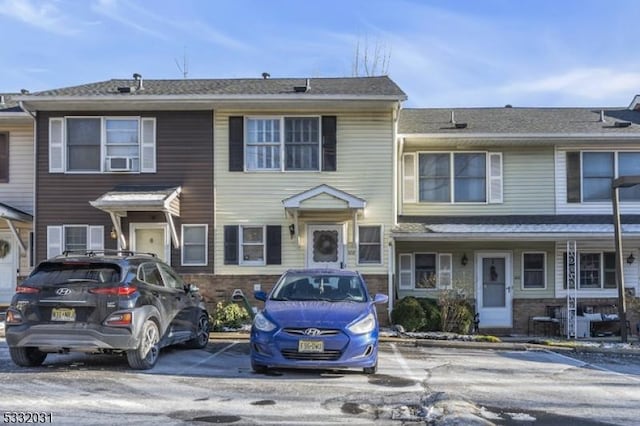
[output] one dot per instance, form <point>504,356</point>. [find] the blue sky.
<point>441,53</point>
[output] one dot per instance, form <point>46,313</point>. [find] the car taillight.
<point>26,290</point>
<point>119,318</point>
<point>13,317</point>
<point>113,291</point>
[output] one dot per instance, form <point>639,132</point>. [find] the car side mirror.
<point>380,298</point>
<point>260,295</point>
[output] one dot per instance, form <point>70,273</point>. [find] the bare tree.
<point>370,61</point>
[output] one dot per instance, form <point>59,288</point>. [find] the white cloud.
<point>111,9</point>
<point>44,15</point>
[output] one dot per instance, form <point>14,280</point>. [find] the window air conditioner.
<point>119,164</point>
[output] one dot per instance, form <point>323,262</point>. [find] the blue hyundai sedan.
<point>317,318</point>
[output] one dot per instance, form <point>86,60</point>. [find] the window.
<point>425,271</point>
<point>194,245</point>
<point>268,140</point>
<point>370,245</point>
<point>4,157</point>
<point>533,270</point>
<point>149,273</point>
<point>594,271</point>
<point>459,177</point>
<point>75,238</point>
<point>170,278</point>
<point>591,174</point>
<point>252,245</point>
<point>102,144</point>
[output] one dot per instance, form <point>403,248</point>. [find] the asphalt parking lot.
<point>413,385</point>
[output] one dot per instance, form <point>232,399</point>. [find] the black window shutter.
<point>329,143</point>
<point>230,245</point>
<point>573,177</point>
<point>274,245</point>
<point>236,144</point>
<point>4,157</point>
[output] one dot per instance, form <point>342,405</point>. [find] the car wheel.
<point>259,368</point>
<point>371,370</point>
<point>27,356</point>
<point>202,333</point>
<point>146,354</point>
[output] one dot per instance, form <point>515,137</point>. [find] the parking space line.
<point>213,355</point>
<point>403,364</point>
<point>597,367</point>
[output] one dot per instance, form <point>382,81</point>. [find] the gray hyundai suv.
<point>104,302</point>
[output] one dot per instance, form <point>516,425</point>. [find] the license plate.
<point>310,346</point>
<point>63,314</point>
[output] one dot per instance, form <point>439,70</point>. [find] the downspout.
<point>394,209</point>
<point>35,175</point>
<point>390,270</point>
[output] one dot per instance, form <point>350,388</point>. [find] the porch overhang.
<point>121,200</point>
<point>324,202</point>
<point>11,215</point>
<point>509,232</point>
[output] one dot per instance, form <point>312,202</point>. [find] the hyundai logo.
<point>63,291</point>
<point>312,332</point>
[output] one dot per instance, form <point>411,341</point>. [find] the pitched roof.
<point>355,86</point>
<point>516,121</point>
<point>8,104</point>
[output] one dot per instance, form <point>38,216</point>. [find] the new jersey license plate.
<point>310,346</point>
<point>63,314</point>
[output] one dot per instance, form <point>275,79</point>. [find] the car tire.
<point>371,370</point>
<point>259,368</point>
<point>202,333</point>
<point>27,356</point>
<point>146,354</point>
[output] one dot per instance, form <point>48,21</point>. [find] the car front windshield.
<point>326,287</point>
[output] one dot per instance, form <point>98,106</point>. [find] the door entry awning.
<point>126,198</point>
<point>11,215</point>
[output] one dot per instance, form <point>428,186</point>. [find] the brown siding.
<point>184,153</point>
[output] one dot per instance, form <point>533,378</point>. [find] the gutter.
<point>492,236</point>
<point>518,137</point>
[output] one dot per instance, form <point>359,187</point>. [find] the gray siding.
<point>184,152</point>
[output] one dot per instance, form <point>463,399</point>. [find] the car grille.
<point>301,332</point>
<point>329,355</point>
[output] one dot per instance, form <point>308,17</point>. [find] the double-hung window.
<point>594,271</point>
<point>282,143</point>
<point>369,245</point>
<point>252,245</point>
<point>74,238</point>
<point>590,175</point>
<point>194,245</point>
<point>533,271</point>
<point>454,177</point>
<point>425,271</point>
<point>83,144</point>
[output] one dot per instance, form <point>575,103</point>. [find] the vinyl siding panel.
<point>18,192</point>
<point>364,158</point>
<point>184,146</point>
<point>528,180</point>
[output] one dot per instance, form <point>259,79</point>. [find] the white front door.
<point>325,247</point>
<point>8,267</point>
<point>151,238</point>
<point>494,287</point>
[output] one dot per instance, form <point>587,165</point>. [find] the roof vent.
<point>24,91</point>
<point>622,124</point>
<point>508,106</point>
<point>266,75</point>
<point>125,89</point>
<point>138,78</point>
<point>452,120</point>
<point>303,89</point>
<point>602,119</point>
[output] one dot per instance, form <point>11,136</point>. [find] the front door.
<point>151,238</point>
<point>325,248</point>
<point>8,267</point>
<point>494,289</point>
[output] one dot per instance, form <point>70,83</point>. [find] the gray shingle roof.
<point>517,120</point>
<point>510,229</point>
<point>359,86</point>
<point>9,105</point>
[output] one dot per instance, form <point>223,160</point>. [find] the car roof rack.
<point>93,253</point>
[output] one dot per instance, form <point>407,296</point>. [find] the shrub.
<point>432,314</point>
<point>456,312</point>
<point>409,314</point>
<point>229,315</point>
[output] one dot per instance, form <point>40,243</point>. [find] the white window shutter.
<point>56,145</point>
<point>405,266</point>
<point>495,178</point>
<point>409,178</point>
<point>54,241</point>
<point>96,238</point>
<point>444,270</point>
<point>148,146</point>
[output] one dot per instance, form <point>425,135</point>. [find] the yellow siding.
<point>18,192</point>
<point>364,169</point>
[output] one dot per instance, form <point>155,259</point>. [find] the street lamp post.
<point>621,182</point>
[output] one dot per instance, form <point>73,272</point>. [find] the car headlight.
<point>365,325</point>
<point>262,323</point>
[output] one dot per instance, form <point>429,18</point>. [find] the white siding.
<point>18,192</point>
<point>528,183</point>
<point>364,159</point>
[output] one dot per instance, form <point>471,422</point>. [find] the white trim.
<point>519,137</point>
<point>54,248</point>
<point>241,261</point>
<point>442,271</point>
<point>410,196</point>
<point>133,227</point>
<point>55,144</point>
<point>152,144</point>
<point>381,228</point>
<point>352,201</point>
<point>544,270</point>
<point>495,197</point>
<point>184,245</point>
